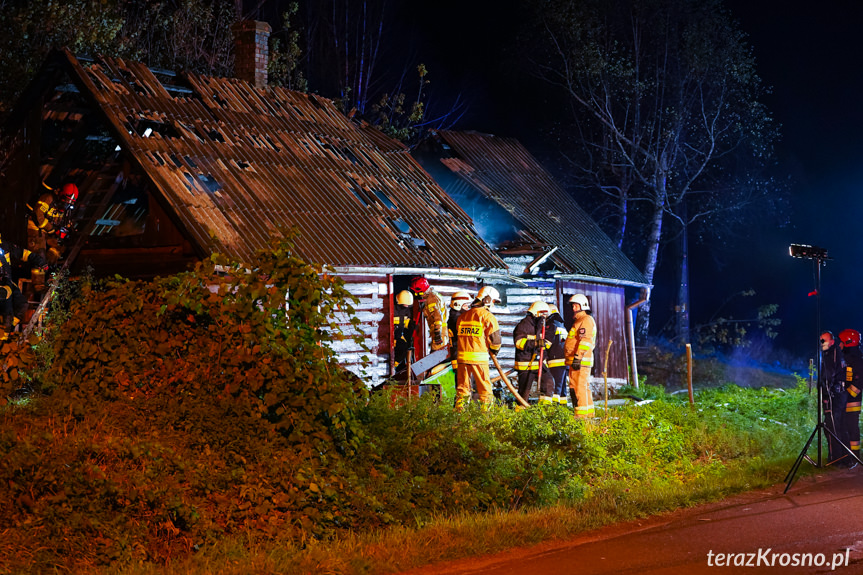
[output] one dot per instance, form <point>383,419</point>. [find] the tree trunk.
<point>682,309</point>
<point>643,323</point>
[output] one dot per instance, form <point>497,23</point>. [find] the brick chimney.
<point>251,51</point>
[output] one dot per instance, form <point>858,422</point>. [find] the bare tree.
<point>667,110</point>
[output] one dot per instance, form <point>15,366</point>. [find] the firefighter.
<point>831,377</point>
<point>50,219</point>
<point>478,338</point>
<point>403,329</point>
<point>578,351</point>
<point>556,333</point>
<point>530,343</point>
<point>13,304</point>
<point>433,309</point>
<point>850,340</point>
<point>458,303</point>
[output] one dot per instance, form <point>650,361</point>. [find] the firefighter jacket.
<point>10,253</point>
<point>581,340</point>
<point>853,371</point>
<point>527,336</point>
<point>832,375</point>
<point>452,332</point>
<point>403,333</point>
<point>434,311</point>
<point>478,335</point>
<point>48,215</point>
<point>556,333</point>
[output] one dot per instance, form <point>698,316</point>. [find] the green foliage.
<point>286,54</point>
<point>725,333</point>
<point>178,413</point>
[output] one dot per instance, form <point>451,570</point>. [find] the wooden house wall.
<point>609,310</point>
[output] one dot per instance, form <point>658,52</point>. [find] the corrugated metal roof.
<point>238,165</point>
<point>502,170</point>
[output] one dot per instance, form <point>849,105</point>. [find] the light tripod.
<point>819,257</point>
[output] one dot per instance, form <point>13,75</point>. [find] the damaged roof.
<point>502,170</point>
<point>238,165</point>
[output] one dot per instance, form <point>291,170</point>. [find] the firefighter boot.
<point>574,400</point>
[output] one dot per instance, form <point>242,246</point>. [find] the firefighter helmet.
<point>538,308</point>
<point>581,300</point>
<point>419,286</point>
<point>69,193</point>
<point>552,309</point>
<point>488,295</point>
<point>849,337</point>
<point>458,299</point>
<point>405,298</point>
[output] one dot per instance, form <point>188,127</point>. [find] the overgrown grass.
<point>421,483</point>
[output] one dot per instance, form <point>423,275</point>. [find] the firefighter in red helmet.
<point>853,355</point>
<point>433,309</point>
<point>831,378</point>
<point>579,356</point>
<point>50,219</point>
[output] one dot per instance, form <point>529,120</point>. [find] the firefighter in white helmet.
<point>458,303</point>
<point>530,348</point>
<point>478,337</point>
<point>578,351</point>
<point>403,329</point>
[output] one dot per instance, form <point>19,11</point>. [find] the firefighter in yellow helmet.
<point>403,329</point>
<point>458,303</point>
<point>433,309</point>
<point>478,337</point>
<point>50,219</point>
<point>578,351</point>
<point>531,344</point>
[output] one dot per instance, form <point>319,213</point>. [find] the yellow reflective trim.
<point>852,409</point>
<point>556,362</point>
<point>472,356</point>
<point>8,291</point>
<point>526,366</point>
<point>520,343</point>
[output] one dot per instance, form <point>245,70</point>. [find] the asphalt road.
<point>818,522</point>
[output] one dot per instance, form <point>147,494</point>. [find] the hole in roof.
<point>176,161</point>
<point>351,156</point>
<point>358,196</point>
<point>273,144</point>
<point>216,136</point>
<point>144,127</point>
<point>401,225</point>
<point>384,198</point>
<point>210,183</point>
<point>190,161</point>
<point>242,165</point>
<point>157,158</point>
<point>219,100</point>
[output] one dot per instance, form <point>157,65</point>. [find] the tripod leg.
<point>793,471</point>
<point>845,447</point>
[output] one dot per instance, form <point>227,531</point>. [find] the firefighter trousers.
<point>852,423</point>
<point>465,372</point>
<point>834,420</point>
<point>579,383</point>
<point>559,375</point>
<point>526,379</point>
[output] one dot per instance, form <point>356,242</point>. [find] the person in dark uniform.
<point>850,340</point>
<point>403,329</point>
<point>13,304</point>
<point>529,344</point>
<point>555,332</point>
<point>831,377</point>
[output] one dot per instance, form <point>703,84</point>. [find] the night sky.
<point>811,60</point>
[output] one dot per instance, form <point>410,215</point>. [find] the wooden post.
<point>689,371</point>
<point>605,377</point>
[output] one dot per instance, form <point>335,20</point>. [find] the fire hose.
<point>512,390</point>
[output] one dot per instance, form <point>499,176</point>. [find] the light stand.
<point>819,257</point>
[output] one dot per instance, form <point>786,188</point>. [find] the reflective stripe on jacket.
<point>478,333</point>
<point>581,339</point>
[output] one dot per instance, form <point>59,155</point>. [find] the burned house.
<point>549,242</point>
<point>174,167</point>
